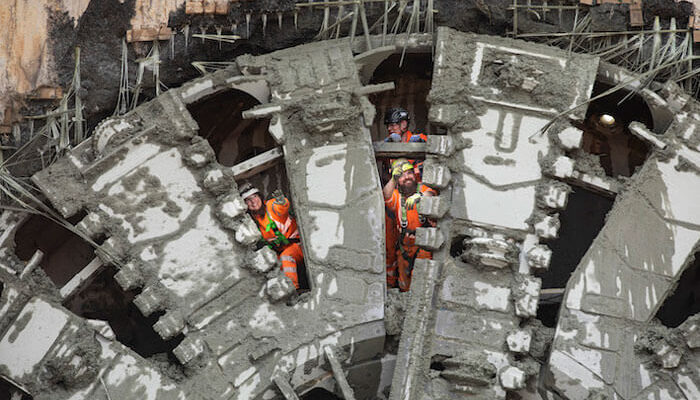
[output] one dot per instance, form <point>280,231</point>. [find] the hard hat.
<point>395,115</point>
<point>247,190</point>
<point>403,163</point>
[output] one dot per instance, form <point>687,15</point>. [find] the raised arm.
<point>388,189</point>
<point>281,204</point>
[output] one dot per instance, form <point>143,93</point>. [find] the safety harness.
<point>403,212</point>
<point>280,240</point>
<point>403,222</point>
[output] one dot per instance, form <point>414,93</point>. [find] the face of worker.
<point>254,203</point>
<point>407,182</point>
<point>398,128</point>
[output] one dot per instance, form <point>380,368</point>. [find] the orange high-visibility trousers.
<point>291,257</point>
<point>392,236</point>
<point>405,266</point>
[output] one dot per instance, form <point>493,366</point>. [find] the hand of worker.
<point>279,197</point>
<point>394,137</point>
<point>396,170</point>
<point>413,200</point>
<point>416,139</point>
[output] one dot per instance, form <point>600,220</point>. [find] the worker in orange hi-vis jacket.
<point>396,121</point>
<point>278,228</point>
<point>402,194</point>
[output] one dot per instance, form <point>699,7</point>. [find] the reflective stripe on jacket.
<point>412,220</point>
<point>277,219</point>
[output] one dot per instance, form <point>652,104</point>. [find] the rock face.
<point>30,45</point>
<point>41,35</point>
<point>27,63</point>
<point>171,221</point>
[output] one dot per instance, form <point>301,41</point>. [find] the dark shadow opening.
<point>9,391</point>
<point>548,310</point>
<point>457,246</point>
<point>104,299</point>
<point>581,222</point>
<point>436,362</point>
<point>235,140</point>
<point>319,394</point>
<point>619,151</point>
<point>413,81</point>
<point>685,300</point>
<point>65,253</point>
<point>232,138</point>
<point>303,274</point>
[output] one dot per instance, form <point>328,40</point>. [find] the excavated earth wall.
<point>38,55</point>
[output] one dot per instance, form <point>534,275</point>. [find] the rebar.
<point>205,67</point>
<point>264,23</point>
<point>218,37</point>
<point>156,65</point>
<point>324,23</point>
<point>79,135</point>
<point>385,21</point>
<point>653,52</point>
<point>338,19</point>
<point>365,26</point>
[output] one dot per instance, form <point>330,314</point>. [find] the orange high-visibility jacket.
<point>277,219</point>
<point>405,138</point>
<point>407,219</point>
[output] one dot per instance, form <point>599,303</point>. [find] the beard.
<point>408,188</point>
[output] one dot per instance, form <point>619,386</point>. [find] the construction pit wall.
<point>27,61</point>
<point>177,230</point>
<point>30,66</point>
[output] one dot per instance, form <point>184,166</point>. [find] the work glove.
<point>413,200</point>
<point>394,137</point>
<point>279,197</point>
<point>416,139</point>
<point>396,171</point>
<point>399,166</point>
